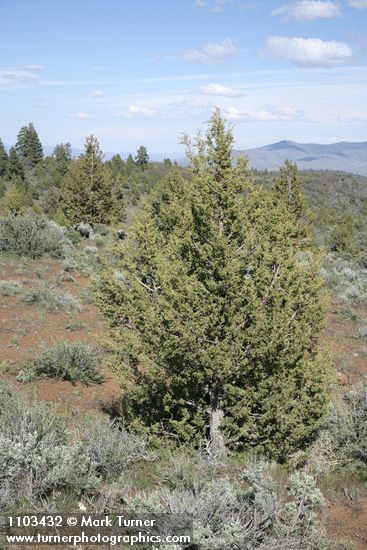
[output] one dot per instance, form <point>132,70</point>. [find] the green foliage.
<point>2,188</point>
<point>142,157</point>
<point>72,361</point>
<point>15,167</point>
<point>87,188</point>
<point>216,314</point>
<point>18,198</point>
<point>3,160</point>
<point>343,230</point>
<point>29,146</point>
<point>130,164</point>
<point>33,236</point>
<point>62,155</point>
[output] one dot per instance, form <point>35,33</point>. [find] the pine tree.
<point>215,315</point>
<point>3,160</point>
<point>142,157</point>
<point>87,189</point>
<point>29,146</point>
<point>15,167</point>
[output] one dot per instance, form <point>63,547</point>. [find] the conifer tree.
<point>87,189</point>
<point>3,160</point>
<point>142,157</point>
<point>130,164</point>
<point>62,155</point>
<point>214,315</point>
<point>29,146</point>
<point>15,167</point>
<point>289,188</point>
<point>19,198</point>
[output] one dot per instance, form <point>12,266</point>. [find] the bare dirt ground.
<point>24,327</point>
<point>346,519</point>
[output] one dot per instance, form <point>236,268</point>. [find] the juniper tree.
<point>215,315</point>
<point>28,146</point>
<point>87,188</point>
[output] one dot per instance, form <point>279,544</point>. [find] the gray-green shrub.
<point>72,361</point>
<point>348,429</point>
<point>35,455</point>
<point>110,447</point>
<point>346,276</point>
<point>250,511</point>
<point>52,297</point>
<point>33,236</point>
<point>10,288</point>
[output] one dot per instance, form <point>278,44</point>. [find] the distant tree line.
<point>70,190</point>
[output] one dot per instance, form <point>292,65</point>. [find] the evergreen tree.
<point>87,189</point>
<point>29,146</point>
<point>142,157</point>
<point>19,196</point>
<point>15,167</point>
<point>116,165</point>
<point>3,160</point>
<point>289,187</point>
<point>215,315</point>
<point>62,155</point>
<point>130,164</point>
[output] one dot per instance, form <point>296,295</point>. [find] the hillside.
<point>343,156</point>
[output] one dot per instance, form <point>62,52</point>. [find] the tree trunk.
<point>216,443</point>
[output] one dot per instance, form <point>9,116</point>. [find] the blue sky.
<point>143,71</point>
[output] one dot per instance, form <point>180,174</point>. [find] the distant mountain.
<point>343,156</point>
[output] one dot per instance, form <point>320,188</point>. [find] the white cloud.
<point>19,77</point>
<point>211,54</point>
<point>33,67</point>
<point>358,4</point>
<point>187,108</point>
<point>97,94</point>
<point>309,10</point>
<point>220,90</point>
<point>138,111</point>
<point>82,115</point>
<point>269,114</point>
<point>169,111</point>
<point>309,52</point>
<point>213,6</point>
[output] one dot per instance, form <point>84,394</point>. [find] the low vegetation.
<point>33,236</point>
<point>51,297</point>
<point>74,362</point>
<point>10,288</point>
